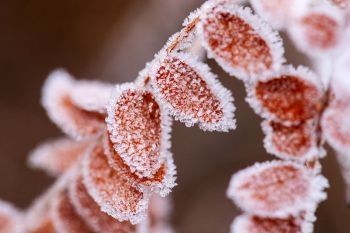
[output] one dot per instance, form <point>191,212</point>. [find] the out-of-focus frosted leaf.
<point>159,214</point>
<point>277,189</point>
<point>139,129</point>
<point>10,218</point>
<point>115,195</point>
<point>343,4</point>
<point>90,211</point>
<point>255,224</point>
<point>56,156</point>
<point>242,43</point>
<point>58,102</point>
<point>278,12</point>
<point>192,94</point>
<point>318,29</point>
<point>290,96</point>
<point>295,142</point>
<point>65,218</point>
<point>162,181</point>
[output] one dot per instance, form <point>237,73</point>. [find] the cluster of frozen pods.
<point>114,166</point>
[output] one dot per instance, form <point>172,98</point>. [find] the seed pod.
<point>192,94</point>
<point>115,195</point>
<point>56,156</point>
<point>242,44</point>
<point>290,96</point>
<point>90,211</point>
<point>65,218</point>
<point>277,189</point>
<point>139,129</point>
<point>162,181</point>
<point>71,118</point>
<point>295,142</point>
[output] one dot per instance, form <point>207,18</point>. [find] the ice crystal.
<point>114,194</point>
<point>58,102</point>
<point>88,210</point>
<point>277,189</point>
<point>239,41</point>
<point>66,219</point>
<point>291,96</point>
<point>192,93</point>
<point>56,156</point>
<point>295,142</point>
<point>162,181</point>
<point>139,129</point>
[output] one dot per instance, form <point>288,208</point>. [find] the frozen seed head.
<point>243,44</point>
<point>58,102</point>
<point>139,129</point>
<point>295,142</point>
<point>192,93</point>
<point>290,95</point>
<point>278,13</point>
<point>162,181</point>
<point>317,31</point>
<point>10,218</point>
<point>65,218</point>
<point>114,194</point>
<point>255,224</point>
<point>90,211</point>
<point>56,156</point>
<point>277,189</point>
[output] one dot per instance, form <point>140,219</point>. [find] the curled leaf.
<point>65,218</point>
<point>242,44</point>
<point>277,189</point>
<point>295,142</point>
<point>255,224</point>
<point>56,156</point>
<point>63,111</point>
<point>111,191</point>
<point>192,93</point>
<point>291,96</point>
<point>139,129</point>
<point>88,210</point>
<point>162,181</point>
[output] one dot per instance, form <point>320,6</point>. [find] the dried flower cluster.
<point>115,166</point>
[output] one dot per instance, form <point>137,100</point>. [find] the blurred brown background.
<point>112,40</point>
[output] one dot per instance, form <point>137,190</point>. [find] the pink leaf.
<point>277,189</point>
<point>115,195</point>
<point>90,211</point>
<point>243,44</point>
<point>192,93</point>
<point>139,129</point>
<point>290,96</point>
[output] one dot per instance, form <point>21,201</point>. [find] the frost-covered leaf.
<point>56,156</point>
<point>290,95</point>
<point>115,195</point>
<point>278,12</point>
<point>243,44</point>
<point>318,30</point>
<point>343,4</point>
<point>90,211</point>
<point>255,224</point>
<point>139,129</point>
<point>277,189</point>
<point>65,218</point>
<point>58,102</point>
<point>192,93</point>
<point>162,181</point>
<point>295,142</point>
<point>159,214</point>
<point>10,218</point>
